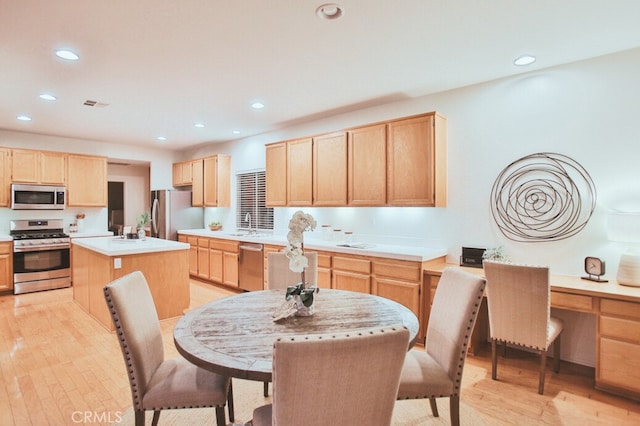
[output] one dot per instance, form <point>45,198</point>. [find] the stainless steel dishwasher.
<point>250,267</point>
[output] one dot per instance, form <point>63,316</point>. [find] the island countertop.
<point>116,246</point>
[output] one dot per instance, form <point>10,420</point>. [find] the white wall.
<point>136,192</point>
<point>586,110</point>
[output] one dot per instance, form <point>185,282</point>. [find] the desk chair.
<point>279,276</point>
<point>158,383</point>
<point>518,300</point>
<point>437,372</point>
<point>336,379</point>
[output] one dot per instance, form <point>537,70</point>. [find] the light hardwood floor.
<point>57,363</point>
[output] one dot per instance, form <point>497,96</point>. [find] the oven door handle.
<point>40,248</point>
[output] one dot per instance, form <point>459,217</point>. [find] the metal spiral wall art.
<point>542,197</point>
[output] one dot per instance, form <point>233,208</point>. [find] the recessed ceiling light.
<point>236,132</point>
<point>67,54</point>
<point>47,97</point>
<point>198,125</point>
<point>257,105</point>
<point>23,117</point>
<point>329,11</point>
<point>524,60</point>
<point>161,138</point>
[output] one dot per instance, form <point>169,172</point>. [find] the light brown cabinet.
<point>5,177</point>
<point>300,172</point>
<point>330,170</point>
<point>276,174</point>
<point>213,259</point>
<point>182,174</point>
<point>217,181</point>
<point>197,186</point>
<point>40,167</point>
<point>86,181</point>
<point>351,273</point>
<point>203,258</point>
<point>396,163</point>
<point>209,178</point>
<point>416,161</point>
<point>367,155</point>
<point>618,344</point>
<point>6,266</point>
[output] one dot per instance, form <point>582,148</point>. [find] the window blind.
<point>251,198</point>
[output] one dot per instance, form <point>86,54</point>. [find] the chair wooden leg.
<point>156,417</point>
<point>139,417</point>
<point>454,409</point>
<point>556,355</point>
<point>220,418</point>
<point>266,389</point>
<point>230,402</point>
<point>494,359</point>
<point>434,407</point>
<point>543,369</point>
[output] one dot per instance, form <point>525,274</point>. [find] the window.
<point>251,197</point>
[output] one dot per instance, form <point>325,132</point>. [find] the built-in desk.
<point>617,310</point>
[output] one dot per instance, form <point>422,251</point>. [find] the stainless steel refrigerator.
<point>171,211</point>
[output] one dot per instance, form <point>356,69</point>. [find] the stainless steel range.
<point>40,255</point>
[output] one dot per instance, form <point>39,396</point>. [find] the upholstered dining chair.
<point>519,303</point>
<point>158,383</point>
<point>346,379</point>
<point>279,276</point>
<point>437,371</point>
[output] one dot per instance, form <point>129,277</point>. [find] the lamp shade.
<point>624,227</point>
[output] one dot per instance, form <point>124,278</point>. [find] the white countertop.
<point>116,246</point>
<point>89,234</point>
<point>419,254</point>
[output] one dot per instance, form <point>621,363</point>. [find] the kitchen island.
<point>96,262</point>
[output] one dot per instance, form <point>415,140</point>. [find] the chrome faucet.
<point>247,218</point>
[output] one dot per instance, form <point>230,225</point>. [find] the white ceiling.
<point>162,65</point>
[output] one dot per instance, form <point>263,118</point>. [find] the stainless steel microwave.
<point>37,197</point>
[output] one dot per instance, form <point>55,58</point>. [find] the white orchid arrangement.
<point>299,223</point>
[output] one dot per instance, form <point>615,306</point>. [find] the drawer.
<point>619,365</point>
<point>5,248</point>
<point>621,328</point>
<point>407,271</point>
<point>362,266</point>
<point>224,245</point>
<point>203,242</point>
<point>193,241</point>
<point>576,302</point>
<point>324,261</point>
<point>620,308</point>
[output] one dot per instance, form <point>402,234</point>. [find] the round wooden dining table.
<point>234,336</point>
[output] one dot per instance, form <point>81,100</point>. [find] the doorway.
<point>115,207</point>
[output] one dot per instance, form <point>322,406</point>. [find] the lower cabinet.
<point>618,345</point>
<point>213,259</point>
<point>351,273</point>
<point>6,266</point>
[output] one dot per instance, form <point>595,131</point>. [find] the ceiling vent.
<point>96,104</point>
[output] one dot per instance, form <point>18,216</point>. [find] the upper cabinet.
<point>217,181</point>
<point>209,178</point>
<point>395,163</point>
<point>5,177</point>
<point>299,172</point>
<point>41,167</point>
<point>416,160</point>
<point>330,170</point>
<point>367,157</point>
<point>182,174</point>
<point>276,174</point>
<point>86,181</point>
